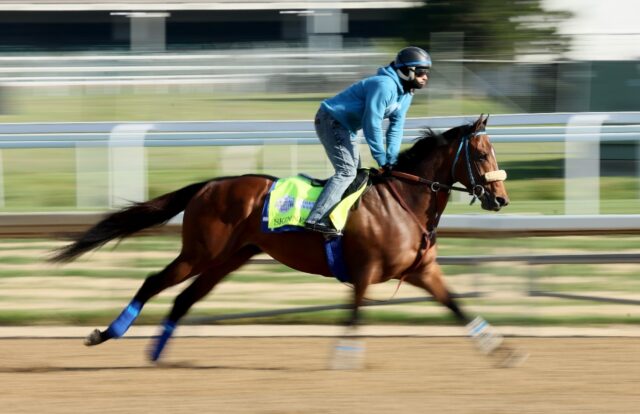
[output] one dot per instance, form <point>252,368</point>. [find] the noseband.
<point>476,190</point>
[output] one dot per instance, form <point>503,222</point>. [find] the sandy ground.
<point>289,375</point>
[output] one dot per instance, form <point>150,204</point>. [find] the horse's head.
<point>476,167</point>
<point>462,154</point>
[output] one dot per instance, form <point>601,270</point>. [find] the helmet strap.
<point>404,77</point>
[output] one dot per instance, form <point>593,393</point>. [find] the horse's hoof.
<point>348,354</point>
<point>154,357</point>
<point>509,357</point>
<point>94,338</point>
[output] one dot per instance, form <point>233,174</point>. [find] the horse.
<point>390,233</point>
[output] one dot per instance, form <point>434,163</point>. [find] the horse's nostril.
<point>502,201</point>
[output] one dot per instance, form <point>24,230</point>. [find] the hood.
<point>391,72</point>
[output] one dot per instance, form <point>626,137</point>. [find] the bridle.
<point>476,190</point>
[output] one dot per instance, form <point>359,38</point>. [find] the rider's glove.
<point>386,170</point>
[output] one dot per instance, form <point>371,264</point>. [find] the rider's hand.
<point>386,170</point>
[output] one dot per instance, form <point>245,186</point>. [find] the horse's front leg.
<point>430,279</point>
<point>349,350</point>
<point>485,337</point>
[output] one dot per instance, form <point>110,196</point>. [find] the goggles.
<point>421,71</point>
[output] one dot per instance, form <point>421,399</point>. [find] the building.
<point>151,25</point>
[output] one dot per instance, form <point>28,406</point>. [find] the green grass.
<point>145,105</point>
<point>151,244</point>
<point>9,273</point>
<point>291,277</point>
<point>129,273</point>
<point>18,260</point>
<point>45,180</point>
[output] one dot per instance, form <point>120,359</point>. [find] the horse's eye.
<point>481,156</point>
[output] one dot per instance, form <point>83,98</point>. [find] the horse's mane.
<point>425,144</point>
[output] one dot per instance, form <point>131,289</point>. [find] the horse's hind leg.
<point>177,271</point>
<point>486,338</point>
<point>198,289</point>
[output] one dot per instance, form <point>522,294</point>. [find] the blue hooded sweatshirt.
<point>366,103</point>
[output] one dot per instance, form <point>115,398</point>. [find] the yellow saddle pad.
<point>291,199</point>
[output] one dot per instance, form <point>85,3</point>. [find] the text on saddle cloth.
<point>291,199</point>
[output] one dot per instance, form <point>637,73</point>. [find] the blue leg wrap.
<point>122,323</point>
<point>161,341</point>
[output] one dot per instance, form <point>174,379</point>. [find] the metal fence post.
<point>127,164</point>
<point>1,182</point>
<point>92,175</point>
<point>582,164</point>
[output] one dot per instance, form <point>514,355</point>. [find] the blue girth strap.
<point>335,258</point>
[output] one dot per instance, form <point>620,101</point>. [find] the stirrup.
<point>325,229</point>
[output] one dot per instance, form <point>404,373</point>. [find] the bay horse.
<point>389,235</point>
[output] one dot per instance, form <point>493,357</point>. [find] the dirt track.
<point>289,375</point>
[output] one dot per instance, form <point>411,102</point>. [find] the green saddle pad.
<point>291,200</point>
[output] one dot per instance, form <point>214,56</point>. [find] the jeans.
<point>342,149</point>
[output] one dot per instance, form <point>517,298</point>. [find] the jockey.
<point>364,105</point>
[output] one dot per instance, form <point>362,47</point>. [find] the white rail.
<point>616,126</point>
<point>581,133</point>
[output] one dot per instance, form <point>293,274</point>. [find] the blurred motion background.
<point>103,103</point>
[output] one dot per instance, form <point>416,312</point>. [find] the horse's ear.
<point>479,123</point>
<point>485,120</point>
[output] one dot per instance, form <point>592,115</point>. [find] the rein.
<point>433,185</point>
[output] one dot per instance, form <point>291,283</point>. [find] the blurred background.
<point>111,102</point>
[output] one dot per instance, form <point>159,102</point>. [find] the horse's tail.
<point>128,221</point>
